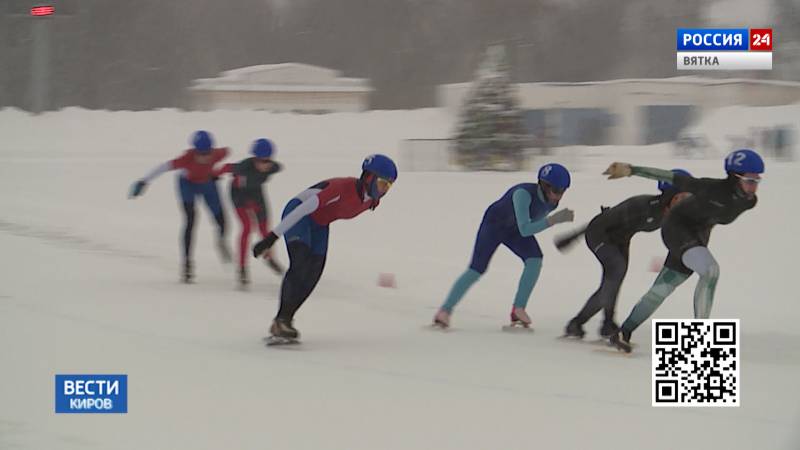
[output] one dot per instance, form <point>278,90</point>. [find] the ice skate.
<point>244,278</point>
<point>441,320</point>
<point>187,275</point>
<point>520,321</point>
<point>283,328</point>
<point>608,329</point>
<point>282,332</point>
<point>574,330</point>
<point>621,340</point>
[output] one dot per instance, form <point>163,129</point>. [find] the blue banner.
<point>712,39</point>
<point>95,394</point>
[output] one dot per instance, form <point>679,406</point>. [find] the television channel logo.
<point>92,394</point>
<point>724,48</point>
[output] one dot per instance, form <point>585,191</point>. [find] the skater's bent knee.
<point>713,270</point>
<point>662,290</point>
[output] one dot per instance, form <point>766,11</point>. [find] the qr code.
<point>696,362</point>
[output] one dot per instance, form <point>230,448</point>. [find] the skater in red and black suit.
<point>247,194</point>
<point>305,223</point>
<point>197,177</point>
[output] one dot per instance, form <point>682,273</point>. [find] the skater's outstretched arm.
<point>620,170</point>
<point>526,225</point>
<point>139,186</point>
<point>222,170</point>
<point>608,217</point>
<point>161,168</point>
<point>184,161</point>
<point>683,183</point>
<point>564,242</point>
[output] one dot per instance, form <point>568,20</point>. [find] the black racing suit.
<point>713,201</point>
<point>246,186</point>
<point>608,236</point>
<point>247,195</point>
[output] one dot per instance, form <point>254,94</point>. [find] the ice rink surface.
<point>90,285</point>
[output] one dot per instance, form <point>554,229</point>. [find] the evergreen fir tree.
<point>491,133</point>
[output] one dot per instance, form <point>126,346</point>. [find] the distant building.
<point>631,111</point>
<point>288,87</point>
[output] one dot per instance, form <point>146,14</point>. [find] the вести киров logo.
<point>91,394</point>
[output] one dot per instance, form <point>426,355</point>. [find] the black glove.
<point>137,189</point>
<point>564,242</point>
<point>264,244</point>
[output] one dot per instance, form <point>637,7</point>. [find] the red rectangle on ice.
<point>761,39</point>
<point>39,11</point>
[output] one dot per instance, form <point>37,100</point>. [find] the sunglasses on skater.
<point>748,180</point>
<point>383,184</point>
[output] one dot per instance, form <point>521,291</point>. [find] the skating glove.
<point>565,241</point>
<point>264,244</point>
<point>564,215</point>
<point>137,189</point>
<point>618,170</point>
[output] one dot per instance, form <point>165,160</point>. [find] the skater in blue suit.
<point>513,220</point>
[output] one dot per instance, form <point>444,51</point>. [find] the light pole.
<point>39,84</point>
<point>40,59</point>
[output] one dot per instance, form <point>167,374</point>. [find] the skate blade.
<point>437,327</point>
<point>584,341</point>
<point>277,340</point>
<point>570,338</point>
<point>612,350</point>
<point>513,328</point>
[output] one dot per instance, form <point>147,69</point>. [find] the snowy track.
<point>89,285</point>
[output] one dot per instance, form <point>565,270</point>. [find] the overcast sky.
<point>742,13</point>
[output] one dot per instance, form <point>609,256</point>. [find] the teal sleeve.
<point>652,173</point>
<point>522,204</point>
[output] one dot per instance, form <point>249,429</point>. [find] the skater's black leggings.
<point>188,230</point>
<point>305,270</point>
<point>614,259</point>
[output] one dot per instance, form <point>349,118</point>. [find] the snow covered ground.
<point>89,285</point>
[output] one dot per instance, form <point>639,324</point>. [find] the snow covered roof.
<point>285,77</point>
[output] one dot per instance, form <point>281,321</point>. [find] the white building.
<point>288,87</point>
<point>631,111</point>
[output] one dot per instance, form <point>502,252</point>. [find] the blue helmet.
<point>383,168</point>
<point>663,185</point>
<point>380,165</point>
<point>262,148</point>
<point>744,161</point>
<point>555,175</point>
<point>202,141</point>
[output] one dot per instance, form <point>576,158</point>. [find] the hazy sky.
<point>742,13</point>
